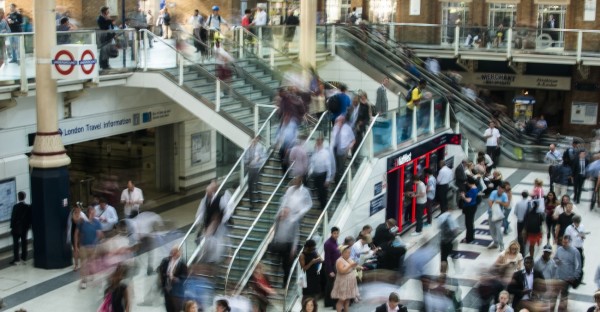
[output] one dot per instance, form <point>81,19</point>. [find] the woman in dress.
<point>345,287</point>
<point>309,261</point>
<point>551,203</point>
<point>511,260</point>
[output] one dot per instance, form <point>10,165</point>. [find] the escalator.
<point>389,57</point>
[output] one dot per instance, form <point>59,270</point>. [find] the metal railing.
<point>245,275</point>
<point>290,297</point>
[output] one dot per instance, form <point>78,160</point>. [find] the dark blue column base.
<point>50,206</point>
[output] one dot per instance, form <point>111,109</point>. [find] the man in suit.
<point>392,304</point>
<point>381,102</point>
<point>525,283</point>
<point>172,273</point>
<point>20,222</point>
<point>579,166</point>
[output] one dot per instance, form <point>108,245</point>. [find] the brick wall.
<point>25,5</point>
<point>580,96</point>
<point>429,13</point>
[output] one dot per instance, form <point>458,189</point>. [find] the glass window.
<point>502,14</point>
<point>453,14</point>
<point>549,17</point>
<point>382,11</point>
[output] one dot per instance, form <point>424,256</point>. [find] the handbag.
<point>106,305</point>
<point>301,278</point>
<point>497,213</point>
<point>113,52</point>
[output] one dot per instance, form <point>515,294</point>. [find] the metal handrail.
<point>237,250</point>
<point>231,171</point>
<point>330,201</point>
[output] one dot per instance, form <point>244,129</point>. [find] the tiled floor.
<point>46,290</point>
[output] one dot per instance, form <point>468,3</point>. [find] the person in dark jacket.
<point>105,23</point>
<point>172,273</point>
<point>20,222</point>
<point>393,304</point>
<point>291,21</point>
<point>525,282</point>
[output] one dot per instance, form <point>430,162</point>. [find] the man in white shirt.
<point>421,198</point>
<point>554,158</point>
<point>196,21</point>
<point>343,140</point>
<point>492,143</point>
<point>260,19</point>
<point>132,197</point>
<point>214,209</point>
<point>445,176</point>
<point>107,215</point>
<point>431,187</point>
<point>322,170</point>
<point>578,234</point>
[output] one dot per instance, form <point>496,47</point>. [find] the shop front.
<point>403,166</point>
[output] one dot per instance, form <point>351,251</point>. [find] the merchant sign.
<point>517,81</point>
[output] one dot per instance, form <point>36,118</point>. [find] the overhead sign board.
<point>74,61</point>
<point>505,80</point>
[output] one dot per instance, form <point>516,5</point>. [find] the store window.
<point>453,14</point>
<point>552,17</point>
<point>502,14</point>
<point>382,11</point>
<point>338,10</point>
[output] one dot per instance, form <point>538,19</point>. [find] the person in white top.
<point>197,21</point>
<point>554,158</point>
<point>360,250</point>
<point>260,19</point>
<point>342,138</point>
<point>132,197</point>
<point>492,143</point>
<point>107,215</point>
<point>322,168</point>
<point>421,198</point>
<point>445,176</point>
<point>577,233</point>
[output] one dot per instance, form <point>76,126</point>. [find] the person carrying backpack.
<point>413,100</point>
<point>338,104</point>
<point>533,225</point>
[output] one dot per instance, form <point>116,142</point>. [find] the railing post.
<point>145,34</point>
<point>256,111</point>
<point>218,96</point>
<point>579,46</point>
<point>180,60</point>
<point>241,40</point>
<point>260,43</point>
<point>447,116</point>
<point>413,128</point>
<point>509,43</point>
<point>392,32</point>
<point>272,59</point>
<point>94,41</point>
<point>136,48</point>
<point>456,40</point>
<point>432,117</point>
<point>466,148</point>
<point>349,183</point>
<point>370,145</point>
<point>457,127</point>
<point>241,173</point>
<point>22,64</point>
<point>333,40</point>
<point>394,137</point>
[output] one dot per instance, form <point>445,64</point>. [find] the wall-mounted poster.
<point>415,7</point>
<point>8,198</point>
<point>589,10</point>
<point>200,148</point>
<point>584,113</point>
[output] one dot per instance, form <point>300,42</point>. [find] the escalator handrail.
<point>264,208</point>
<point>330,201</point>
<point>231,171</point>
<point>459,102</point>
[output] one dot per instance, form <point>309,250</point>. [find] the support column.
<point>49,160</point>
<point>308,33</point>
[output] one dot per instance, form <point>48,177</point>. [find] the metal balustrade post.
<point>145,34</point>
<point>392,32</point>
<point>349,183</point>
<point>457,127</point>
<point>218,96</point>
<point>447,116</point>
<point>180,60</point>
<point>333,40</point>
<point>394,137</point>
<point>456,40</point>
<point>94,42</point>
<point>414,127</point>
<point>579,46</point>
<point>268,138</point>
<point>241,173</point>
<point>466,148</point>
<point>370,145</point>
<point>432,117</point>
<point>260,43</point>
<point>256,112</point>
<point>241,41</point>
<point>22,64</point>
<point>509,43</point>
<point>136,48</point>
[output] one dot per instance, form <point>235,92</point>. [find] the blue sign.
<point>377,204</point>
<point>378,188</point>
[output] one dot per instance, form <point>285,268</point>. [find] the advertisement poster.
<point>589,10</point>
<point>584,113</point>
<point>415,7</point>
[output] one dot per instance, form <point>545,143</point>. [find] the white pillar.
<point>308,30</point>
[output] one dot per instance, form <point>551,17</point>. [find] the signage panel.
<point>74,61</point>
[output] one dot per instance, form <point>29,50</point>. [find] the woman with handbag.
<point>497,202</point>
<point>309,262</point>
<point>345,287</point>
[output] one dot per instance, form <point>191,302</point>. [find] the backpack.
<point>408,96</point>
<point>533,220</point>
<point>334,104</point>
<point>353,19</point>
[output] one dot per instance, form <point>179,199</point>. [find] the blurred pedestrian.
<point>469,209</point>
<point>322,168</point>
<point>254,159</point>
<point>291,21</point>
<point>545,264</point>
<point>298,159</point>
<point>444,177</point>
<point>132,197</point>
<point>262,288</point>
<point>285,240</point>
<point>172,274</point>
<point>343,140</point>
<point>568,263</point>
<point>563,177</point>
<point>393,304</point>
<point>596,306</point>
<point>381,102</point>
<point>87,235</point>
<point>286,136</point>
<point>579,175</point>
<point>502,305</point>
<point>190,306</point>
<point>345,287</point>
<point>223,306</point>
<point>533,226</point>
<point>310,262</point>
<point>511,259</point>
<point>520,212</point>
<point>76,217</point>
<point>20,223</point>
<point>309,305</point>
<point>117,295</point>
<point>523,284</point>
